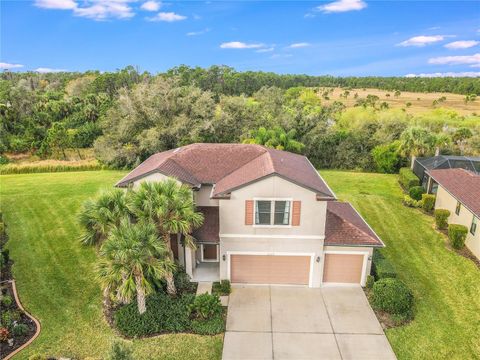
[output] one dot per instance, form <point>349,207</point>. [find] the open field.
<point>56,281</point>
<point>420,102</point>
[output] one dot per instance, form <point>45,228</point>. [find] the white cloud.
<point>151,6</point>
<point>240,45</point>
<point>44,70</point>
<point>446,74</point>
<point>472,60</point>
<point>299,45</point>
<point>264,50</point>
<point>10,66</point>
<point>464,44</point>
<point>167,16</point>
<point>196,33</point>
<point>56,4</point>
<point>422,40</point>
<point>342,6</point>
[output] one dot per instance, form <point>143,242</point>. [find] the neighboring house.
<point>458,191</point>
<point>422,166</point>
<point>269,217</point>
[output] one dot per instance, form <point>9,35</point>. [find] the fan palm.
<point>170,206</point>
<point>131,259</point>
<point>99,215</point>
<point>416,141</point>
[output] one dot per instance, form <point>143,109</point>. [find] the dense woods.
<point>126,115</point>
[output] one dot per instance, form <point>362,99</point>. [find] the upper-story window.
<point>457,209</point>
<point>473,227</point>
<point>272,212</point>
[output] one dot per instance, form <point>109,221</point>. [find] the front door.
<point>209,252</point>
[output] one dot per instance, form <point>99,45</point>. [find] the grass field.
<point>56,283</point>
<point>420,102</point>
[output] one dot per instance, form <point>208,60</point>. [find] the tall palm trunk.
<point>142,306</point>
<point>171,288</point>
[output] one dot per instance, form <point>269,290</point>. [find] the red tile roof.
<point>209,231</point>
<point>345,226</point>
<point>461,184</point>
<point>230,166</point>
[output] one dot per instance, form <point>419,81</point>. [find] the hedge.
<point>408,201</point>
<point>457,234</point>
<point>393,297</point>
<point>407,178</point>
<point>382,268</point>
<point>416,192</point>
<point>428,202</point>
<point>441,218</point>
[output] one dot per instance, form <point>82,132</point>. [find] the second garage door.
<point>343,268</point>
<point>270,269</point>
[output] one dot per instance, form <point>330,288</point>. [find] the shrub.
<point>441,218</point>
<point>4,334</point>
<point>407,178</point>
<point>182,281</point>
<point>212,326</point>
<point>164,314</point>
<point>222,288</point>
<point>457,235</point>
<point>386,158</point>
<point>206,306</point>
<point>408,201</point>
<point>392,296</point>
<point>120,351</point>
<point>416,192</point>
<point>7,300</point>
<point>20,330</point>
<point>382,268</point>
<point>428,202</point>
<point>370,281</point>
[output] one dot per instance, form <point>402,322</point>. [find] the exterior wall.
<point>368,250</point>
<point>202,196</point>
<point>272,246</point>
<point>312,216</point>
<point>446,201</point>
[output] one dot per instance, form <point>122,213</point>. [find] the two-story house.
<point>270,218</point>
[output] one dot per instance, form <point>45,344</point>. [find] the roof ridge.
<point>248,162</point>
<point>180,166</point>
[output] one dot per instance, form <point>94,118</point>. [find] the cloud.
<point>196,33</point>
<point>280,56</point>
<point>446,74</point>
<point>151,6</point>
<point>472,60</point>
<point>43,70</point>
<point>240,45</point>
<point>56,4</point>
<point>342,6</point>
<point>422,40</point>
<point>264,50</point>
<point>299,45</point>
<point>464,44</point>
<point>92,9</point>
<point>10,66</point>
<point>167,17</point>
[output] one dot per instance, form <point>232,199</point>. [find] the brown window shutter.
<point>297,205</point>
<point>248,212</point>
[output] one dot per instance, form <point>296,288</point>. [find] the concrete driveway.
<point>277,322</point>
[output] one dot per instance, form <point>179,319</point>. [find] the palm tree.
<point>99,215</point>
<point>131,259</point>
<point>170,206</point>
<point>277,138</point>
<point>416,141</point>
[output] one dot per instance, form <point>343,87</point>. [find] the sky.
<point>340,38</point>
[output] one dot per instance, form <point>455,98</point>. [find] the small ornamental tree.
<point>441,218</point>
<point>428,202</point>
<point>457,234</point>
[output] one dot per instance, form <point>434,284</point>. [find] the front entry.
<point>270,269</point>
<point>209,252</point>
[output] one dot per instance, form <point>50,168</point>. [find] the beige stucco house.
<point>270,218</point>
<point>458,191</point>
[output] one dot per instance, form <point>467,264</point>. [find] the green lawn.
<point>56,282</point>
<point>54,273</point>
<point>446,285</point>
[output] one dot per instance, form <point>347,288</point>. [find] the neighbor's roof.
<point>462,185</point>
<point>345,226</point>
<point>230,166</point>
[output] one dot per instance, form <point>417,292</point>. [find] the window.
<point>272,212</point>
<point>434,188</point>
<point>457,209</point>
<point>473,227</point>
